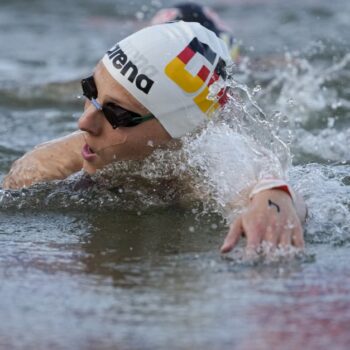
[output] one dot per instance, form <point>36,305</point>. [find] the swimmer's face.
<point>104,144</point>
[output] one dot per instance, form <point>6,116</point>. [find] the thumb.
<point>233,235</point>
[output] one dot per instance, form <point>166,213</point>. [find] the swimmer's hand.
<point>52,160</point>
<point>270,216</point>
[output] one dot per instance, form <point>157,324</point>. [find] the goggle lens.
<point>116,115</point>
<point>89,88</point>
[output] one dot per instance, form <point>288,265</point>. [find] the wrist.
<point>272,184</point>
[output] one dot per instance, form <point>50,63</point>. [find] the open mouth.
<point>87,152</point>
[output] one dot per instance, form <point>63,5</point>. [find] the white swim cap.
<point>169,68</point>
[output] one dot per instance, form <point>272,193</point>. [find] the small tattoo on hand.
<point>272,204</point>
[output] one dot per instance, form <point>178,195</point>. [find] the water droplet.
<point>156,3</point>
<point>256,89</point>
<point>330,122</point>
<point>139,15</point>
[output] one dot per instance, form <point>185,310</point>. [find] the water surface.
<point>86,270</point>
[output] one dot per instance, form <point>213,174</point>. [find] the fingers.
<point>289,236</point>
<point>275,234</point>
<point>254,238</point>
<point>298,237</point>
<point>6,183</point>
<point>270,235</point>
<point>9,183</point>
<point>285,238</point>
<point>292,235</point>
<point>13,182</point>
<point>280,229</point>
<point>232,236</point>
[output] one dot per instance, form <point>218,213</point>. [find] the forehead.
<point>105,82</point>
<point>108,87</point>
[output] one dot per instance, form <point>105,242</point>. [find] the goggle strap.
<point>96,104</point>
<point>143,118</point>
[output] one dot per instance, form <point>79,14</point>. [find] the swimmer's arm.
<point>271,215</point>
<point>51,160</point>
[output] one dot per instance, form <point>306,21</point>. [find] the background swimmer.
<point>206,16</point>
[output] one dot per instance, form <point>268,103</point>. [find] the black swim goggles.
<point>117,116</point>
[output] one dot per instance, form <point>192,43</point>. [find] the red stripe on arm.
<point>284,188</point>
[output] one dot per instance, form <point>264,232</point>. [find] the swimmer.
<point>147,91</point>
<point>206,16</point>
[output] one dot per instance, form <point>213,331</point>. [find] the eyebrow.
<point>112,99</point>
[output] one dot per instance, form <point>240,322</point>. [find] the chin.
<point>89,168</point>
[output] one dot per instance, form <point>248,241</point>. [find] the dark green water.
<point>83,270</point>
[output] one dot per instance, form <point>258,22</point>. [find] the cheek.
<point>126,149</point>
<point>112,142</point>
<point>109,154</point>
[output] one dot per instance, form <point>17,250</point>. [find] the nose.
<point>91,120</point>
